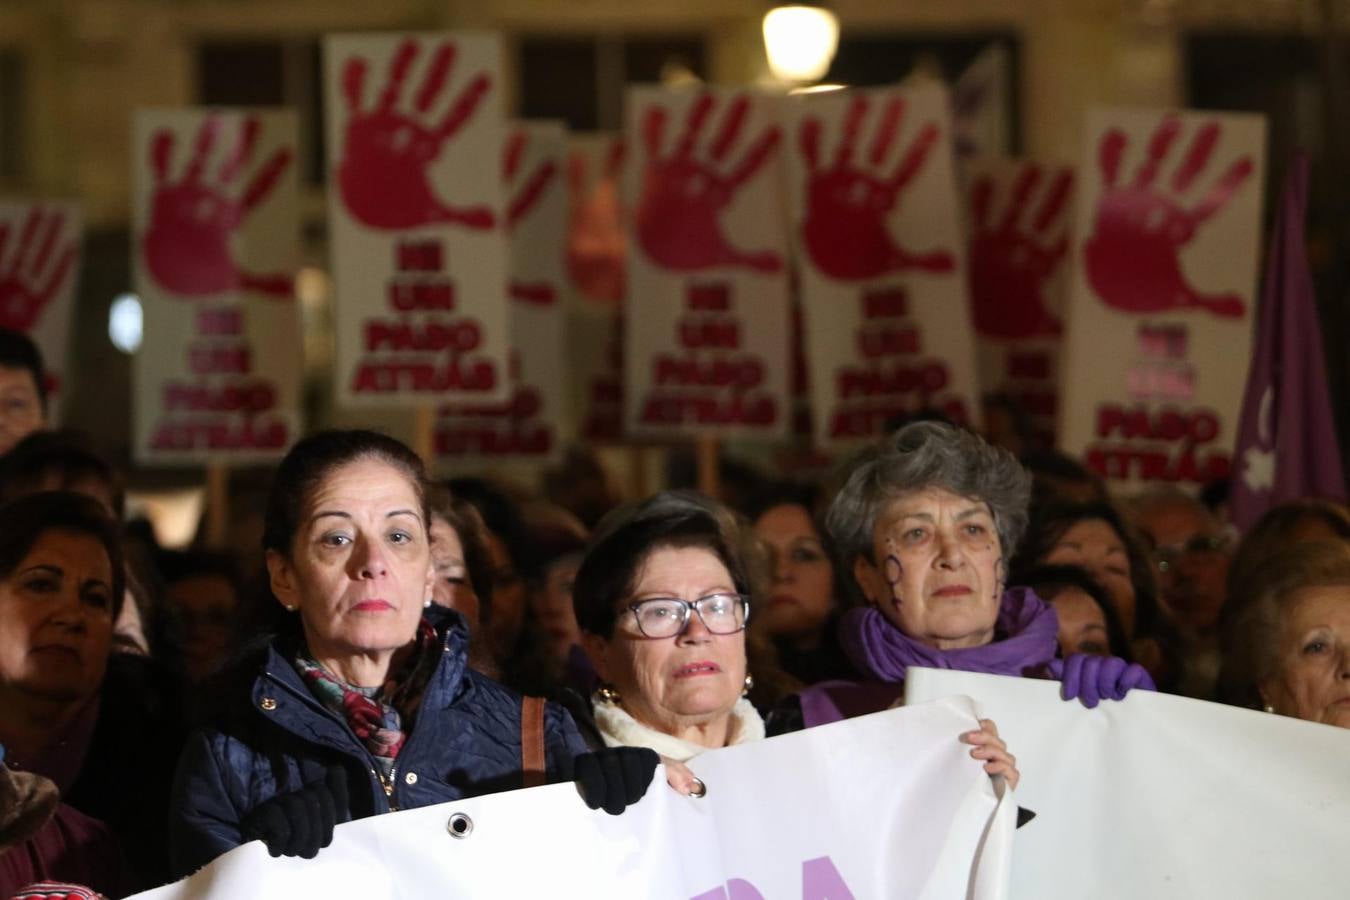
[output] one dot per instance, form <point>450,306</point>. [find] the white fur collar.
<point>619,729</point>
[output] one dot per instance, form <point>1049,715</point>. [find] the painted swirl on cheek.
<point>894,572</point>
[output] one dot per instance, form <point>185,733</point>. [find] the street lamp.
<point>800,39</point>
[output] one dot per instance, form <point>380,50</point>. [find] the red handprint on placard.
<point>30,279</point>
<point>597,248</point>
<point>683,196</point>
<point>1011,265</point>
<point>187,246</point>
<point>846,231</point>
<point>1133,257</point>
<point>385,175</point>
<point>535,184</point>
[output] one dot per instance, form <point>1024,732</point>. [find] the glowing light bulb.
<point>800,41</point>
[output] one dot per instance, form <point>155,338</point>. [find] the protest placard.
<point>707,312</point>
<point>419,250</point>
<point>216,226</point>
<point>1162,290</point>
<point>39,265</point>
<point>881,249</point>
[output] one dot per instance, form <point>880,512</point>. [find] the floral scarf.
<point>376,715</point>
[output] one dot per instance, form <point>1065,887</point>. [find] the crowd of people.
<point>386,641</point>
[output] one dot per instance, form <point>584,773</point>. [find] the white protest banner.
<point>1164,261</point>
<point>39,264</point>
<point>1019,213</point>
<point>418,234</point>
<point>981,100</point>
<point>216,225</point>
<point>597,261</point>
<point>706,344</point>
<point>877,221</point>
<point>889,805</point>
<point>1159,796</point>
<point>534,421</point>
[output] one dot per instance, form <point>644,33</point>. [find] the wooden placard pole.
<point>217,505</point>
<point>424,435</point>
<point>709,476</point>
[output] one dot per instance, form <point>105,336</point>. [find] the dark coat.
<point>275,737</point>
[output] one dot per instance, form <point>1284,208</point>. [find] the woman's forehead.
<point>678,565</point>
<point>931,502</point>
<point>364,484</point>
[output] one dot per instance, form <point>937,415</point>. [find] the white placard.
<point>419,250</point>
<point>1018,214</point>
<point>706,344</point>
<point>877,223</point>
<point>889,805</point>
<point>535,422</point>
<point>1163,797</point>
<point>216,224</point>
<point>1165,254</point>
<point>39,271</point>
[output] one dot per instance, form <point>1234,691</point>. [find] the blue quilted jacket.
<point>465,741</point>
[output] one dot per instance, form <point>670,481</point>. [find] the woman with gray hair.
<point>926,520</point>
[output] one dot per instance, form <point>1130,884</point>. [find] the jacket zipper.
<point>388,784</point>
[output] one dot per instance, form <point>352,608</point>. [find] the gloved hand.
<point>301,822</point>
<point>1093,678</point>
<point>615,778</point>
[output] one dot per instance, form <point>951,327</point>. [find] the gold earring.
<point>749,684</point>
<point>608,693</point>
<point>290,607</point>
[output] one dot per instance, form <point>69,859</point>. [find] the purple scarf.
<point>881,651</point>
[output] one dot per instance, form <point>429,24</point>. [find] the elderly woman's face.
<point>691,678</point>
<point>360,565</point>
<point>1312,673</point>
<point>56,618</point>
<point>939,568</point>
<point>1094,545</point>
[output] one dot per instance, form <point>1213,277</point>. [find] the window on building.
<point>581,79</point>
<point>284,73</point>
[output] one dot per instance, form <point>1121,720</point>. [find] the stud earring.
<point>426,604</point>
<point>1268,708</point>
<point>290,607</point>
<point>608,693</point>
<point>749,684</point>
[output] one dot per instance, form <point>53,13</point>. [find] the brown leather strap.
<point>533,766</point>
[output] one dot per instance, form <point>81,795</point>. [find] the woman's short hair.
<point>926,455</point>
<point>1253,621</point>
<point>627,536</point>
<point>1281,527</point>
<point>312,459</point>
<point>17,351</point>
<point>25,520</point>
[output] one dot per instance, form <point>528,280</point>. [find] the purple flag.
<point>1286,446</point>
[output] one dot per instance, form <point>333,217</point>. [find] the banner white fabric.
<point>707,306</point>
<point>216,219</point>
<point>881,250</point>
<point>39,266</point>
<point>415,204</point>
<point>535,422</point>
<point>1018,218</point>
<point>889,805</point>
<point>1162,292</point>
<point>1160,796</point>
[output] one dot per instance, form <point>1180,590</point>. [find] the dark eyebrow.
<point>329,512</point>
<point>46,567</point>
<point>404,512</point>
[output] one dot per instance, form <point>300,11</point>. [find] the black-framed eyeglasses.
<point>663,617</point>
<point>1167,557</point>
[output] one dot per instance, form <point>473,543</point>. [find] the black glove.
<point>299,823</point>
<point>615,778</point>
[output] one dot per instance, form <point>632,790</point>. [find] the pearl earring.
<point>1268,708</point>
<point>426,604</point>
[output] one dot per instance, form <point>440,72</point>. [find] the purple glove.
<point>1093,678</point>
